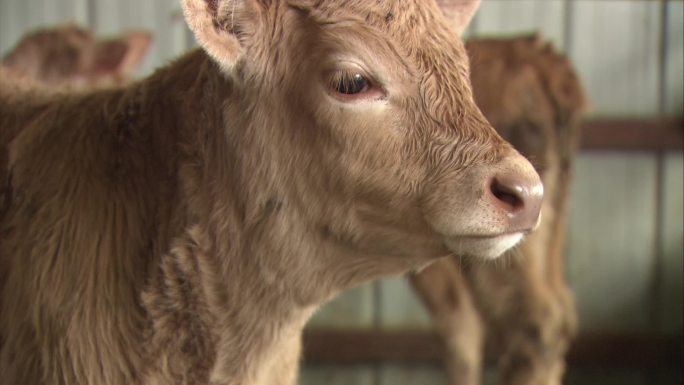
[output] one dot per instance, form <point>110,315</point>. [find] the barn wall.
<point>625,248</point>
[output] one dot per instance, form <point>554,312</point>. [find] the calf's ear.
<point>222,27</point>
<point>123,54</point>
<point>459,12</point>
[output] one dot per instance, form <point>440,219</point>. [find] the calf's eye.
<point>350,85</point>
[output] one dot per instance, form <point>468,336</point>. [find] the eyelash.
<point>349,83</point>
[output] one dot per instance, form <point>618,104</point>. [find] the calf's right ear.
<point>459,12</point>
<point>223,28</point>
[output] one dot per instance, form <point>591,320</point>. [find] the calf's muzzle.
<point>519,193</point>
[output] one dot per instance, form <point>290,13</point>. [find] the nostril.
<point>515,193</point>
<point>510,196</point>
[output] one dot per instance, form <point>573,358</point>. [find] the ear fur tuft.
<point>459,12</point>
<point>218,39</point>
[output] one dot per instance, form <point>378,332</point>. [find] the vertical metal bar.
<point>568,18</point>
<point>656,311</point>
<point>663,56</point>
<point>377,325</point>
<point>189,39</point>
<point>92,14</point>
<point>473,27</point>
<point>656,320</point>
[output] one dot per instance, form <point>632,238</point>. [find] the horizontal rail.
<point>350,347</point>
<point>633,135</point>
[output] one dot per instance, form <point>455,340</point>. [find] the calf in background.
<point>183,229</point>
<point>521,305</point>
<point>68,55</point>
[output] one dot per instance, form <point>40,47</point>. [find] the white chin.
<point>483,247</point>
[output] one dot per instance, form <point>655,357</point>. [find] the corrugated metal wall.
<point>626,224</point>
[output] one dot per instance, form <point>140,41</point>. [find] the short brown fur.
<point>183,229</point>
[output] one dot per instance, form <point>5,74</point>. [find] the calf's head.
<point>70,55</point>
<point>368,109</point>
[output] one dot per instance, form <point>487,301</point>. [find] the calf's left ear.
<point>459,12</point>
<point>123,54</point>
<point>223,27</point>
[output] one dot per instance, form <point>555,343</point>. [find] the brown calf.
<point>182,230</point>
<point>533,98</point>
<point>70,55</point>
